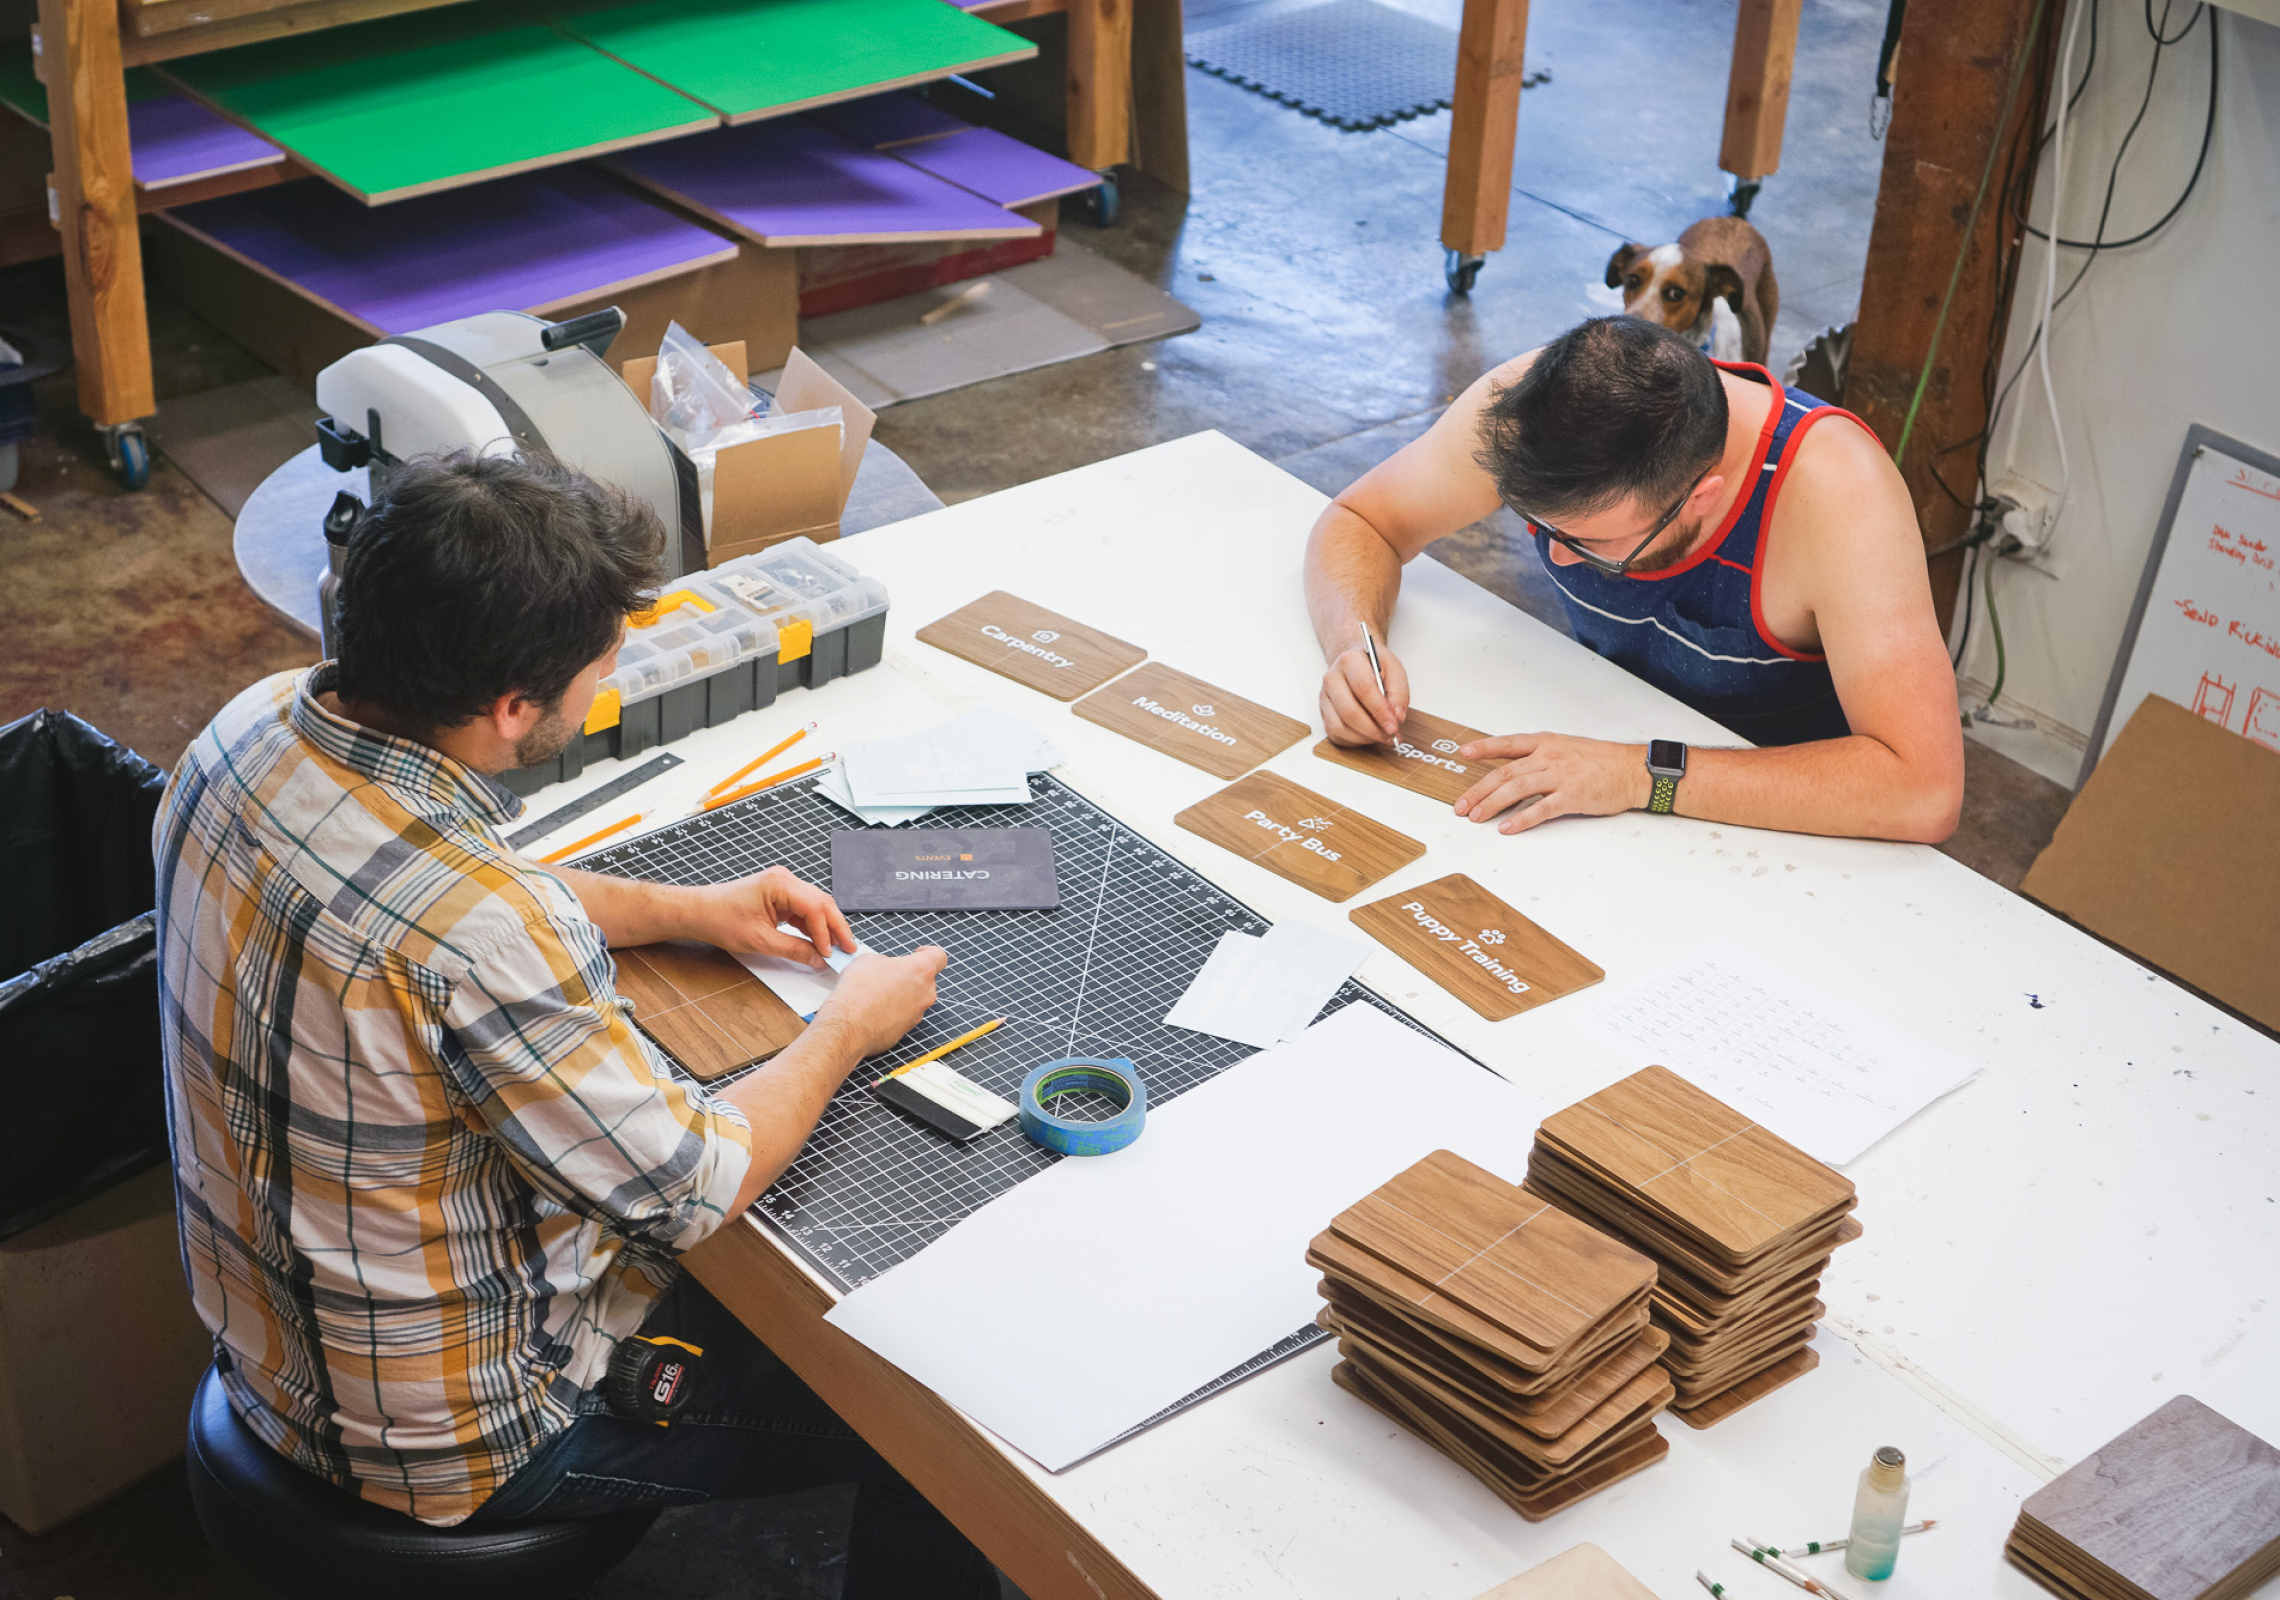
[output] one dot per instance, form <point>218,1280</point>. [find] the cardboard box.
<point>787,485</point>
<point>2169,852</point>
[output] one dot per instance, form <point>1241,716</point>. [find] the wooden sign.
<point>1035,647</point>
<point>1423,757</point>
<point>1475,946</point>
<point>703,1008</point>
<point>1297,834</point>
<point>1185,717</point>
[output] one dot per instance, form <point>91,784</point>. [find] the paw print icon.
<point>1492,936</point>
<point>1045,635</point>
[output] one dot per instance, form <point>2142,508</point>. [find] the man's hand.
<point>743,915</point>
<point>1353,712</point>
<point>1560,775</point>
<point>881,998</point>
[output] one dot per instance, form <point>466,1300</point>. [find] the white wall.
<point>2184,328</point>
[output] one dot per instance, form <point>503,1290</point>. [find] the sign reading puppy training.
<point>1037,648</point>
<point>1475,946</point>
<point>1224,734</point>
<point>944,869</point>
<point>1423,757</point>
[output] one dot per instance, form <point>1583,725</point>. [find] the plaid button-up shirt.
<point>428,1173</point>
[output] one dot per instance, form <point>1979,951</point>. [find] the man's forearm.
<point>784,1099</point>
<point>1353,578</point>
<point>632,911</point>
<point>1856,786</point>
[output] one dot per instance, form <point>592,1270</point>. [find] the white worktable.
<point>2082,1231</point>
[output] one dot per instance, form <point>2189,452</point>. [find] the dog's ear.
<point>1620,263</point>
<point>1721,282</point>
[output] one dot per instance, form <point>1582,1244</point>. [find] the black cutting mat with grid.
<point>874,1187</point>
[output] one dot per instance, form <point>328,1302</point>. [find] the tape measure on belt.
<point>1114,1076</point>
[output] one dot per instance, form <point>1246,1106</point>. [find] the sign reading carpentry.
<point>1475,946</point>
<point>1423,757</point>
<point>1300,835</point>
<point>1033,646</point>
<point>1204,726</point>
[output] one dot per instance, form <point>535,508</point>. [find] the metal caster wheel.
<point>1103,203</point>
<point>1739,195</point>
<point>1462,271</point>
<point>129,453</point>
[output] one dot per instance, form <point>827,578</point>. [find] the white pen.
<point>1765,1556</point>
<point>1716,1589</point>
<point>1369,645</point>
<point>1822,1547</point>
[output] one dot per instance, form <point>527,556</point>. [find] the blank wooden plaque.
<point>1584,1572</point>
<point>1300,835</point>
<point>1037,648</point>
<point>703,1008</point>
<point>1474,930</point>
<point>1191,720</point>
<point>1422,757</point>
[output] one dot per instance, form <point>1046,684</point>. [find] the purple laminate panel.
<point>885,119</point>
<point>175,139</point>
<point>996,166</point>
<point>789,181</point>
<point>514,244</point>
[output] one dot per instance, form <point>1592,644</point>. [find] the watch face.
<point>1666,755</point>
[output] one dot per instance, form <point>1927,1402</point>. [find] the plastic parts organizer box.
<point>722,642</point>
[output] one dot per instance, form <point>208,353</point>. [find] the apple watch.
<point>1666,759</point>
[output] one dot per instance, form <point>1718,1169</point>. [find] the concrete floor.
<point>1328,341</point>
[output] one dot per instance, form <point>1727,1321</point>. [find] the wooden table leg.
<point>1159,93</point>
<point>95,208</point>
<point>1100,82</point>
<point>1477,195</point>
<point>1757,89</point>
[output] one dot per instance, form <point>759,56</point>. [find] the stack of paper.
<point>982,758</point>
<point>797,984</point>
<point>1260,990</point>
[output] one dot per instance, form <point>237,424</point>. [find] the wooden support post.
<point>1100,82</point>
<point>1491,53</point>
<point>1159,93</point>
<point>94,192</point>
<point>1757,87</point>
<point>1956,62</point>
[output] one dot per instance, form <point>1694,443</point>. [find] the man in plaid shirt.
<point>429,1174</point>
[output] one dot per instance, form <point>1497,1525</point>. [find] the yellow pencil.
<point>759,761</point>
<point>570,850</point>
<point>715,802</point>
<point>941,1050</point>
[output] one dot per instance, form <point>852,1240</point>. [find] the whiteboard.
<point>2205,630</point>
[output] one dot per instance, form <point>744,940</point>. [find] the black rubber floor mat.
<point>1352,63</point>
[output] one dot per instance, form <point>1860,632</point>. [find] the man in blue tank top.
<point>1707,532</point>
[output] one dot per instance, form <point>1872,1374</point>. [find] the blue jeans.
<point>751,1429</point>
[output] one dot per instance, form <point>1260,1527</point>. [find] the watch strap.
<point>1664,797</point>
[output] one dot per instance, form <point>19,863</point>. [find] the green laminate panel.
<point>435,99</point>
<point>22,92</point>
<point>756,58</point>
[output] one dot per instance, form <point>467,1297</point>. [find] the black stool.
<point>302,1536</point>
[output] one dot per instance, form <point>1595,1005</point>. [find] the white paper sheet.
<point>982,758</point>
<point>1826,1075</point>
<point>1260,991</point>
<point>1087,1299</point>
<point>795,983</point>
<point>831,783</point>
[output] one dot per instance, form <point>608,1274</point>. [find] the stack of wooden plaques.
<point>1512,1337</point>
<point>2185,1505</point>
<point>1738,1221</point>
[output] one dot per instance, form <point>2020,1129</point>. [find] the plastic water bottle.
<point>1880,1507</point>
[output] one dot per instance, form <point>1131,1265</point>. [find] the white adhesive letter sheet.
<point>1262,990</point>
<point>1152,1271</point>
<point>1823,1073</point>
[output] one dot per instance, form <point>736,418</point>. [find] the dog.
<point>1715,286</point>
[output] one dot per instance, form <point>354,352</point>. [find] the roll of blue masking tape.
<point>1115,1077</point>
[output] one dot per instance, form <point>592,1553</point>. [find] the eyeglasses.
<point>1599,563</point>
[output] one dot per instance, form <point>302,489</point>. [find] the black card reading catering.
<point>944,869</point>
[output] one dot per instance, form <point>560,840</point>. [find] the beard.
<point>1672,546</point>
<point>548,739</point>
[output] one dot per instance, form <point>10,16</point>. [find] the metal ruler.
<point>588,804</point>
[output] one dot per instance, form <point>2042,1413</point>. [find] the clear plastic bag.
<point>693,395</point>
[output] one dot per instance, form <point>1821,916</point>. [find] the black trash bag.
<point>81,1084</point>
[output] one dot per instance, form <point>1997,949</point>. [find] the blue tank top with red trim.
<point>1696,630</point>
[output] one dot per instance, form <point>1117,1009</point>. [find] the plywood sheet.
<point>749,59</point>
<point>541,239</point>
<point>1422,757</point>
<point>794,183</point>
<point>2169,851</point>
<point>1584,1572</point>
<point>1475,946</point>
<point>997,166</point>
<point>1300,835</point>
<point>1037,648</point>
<point>413,104</point>
<point>173,139</point>
<point>882,121</point>
<point>1191,720</point>
<point>703,1008</point>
